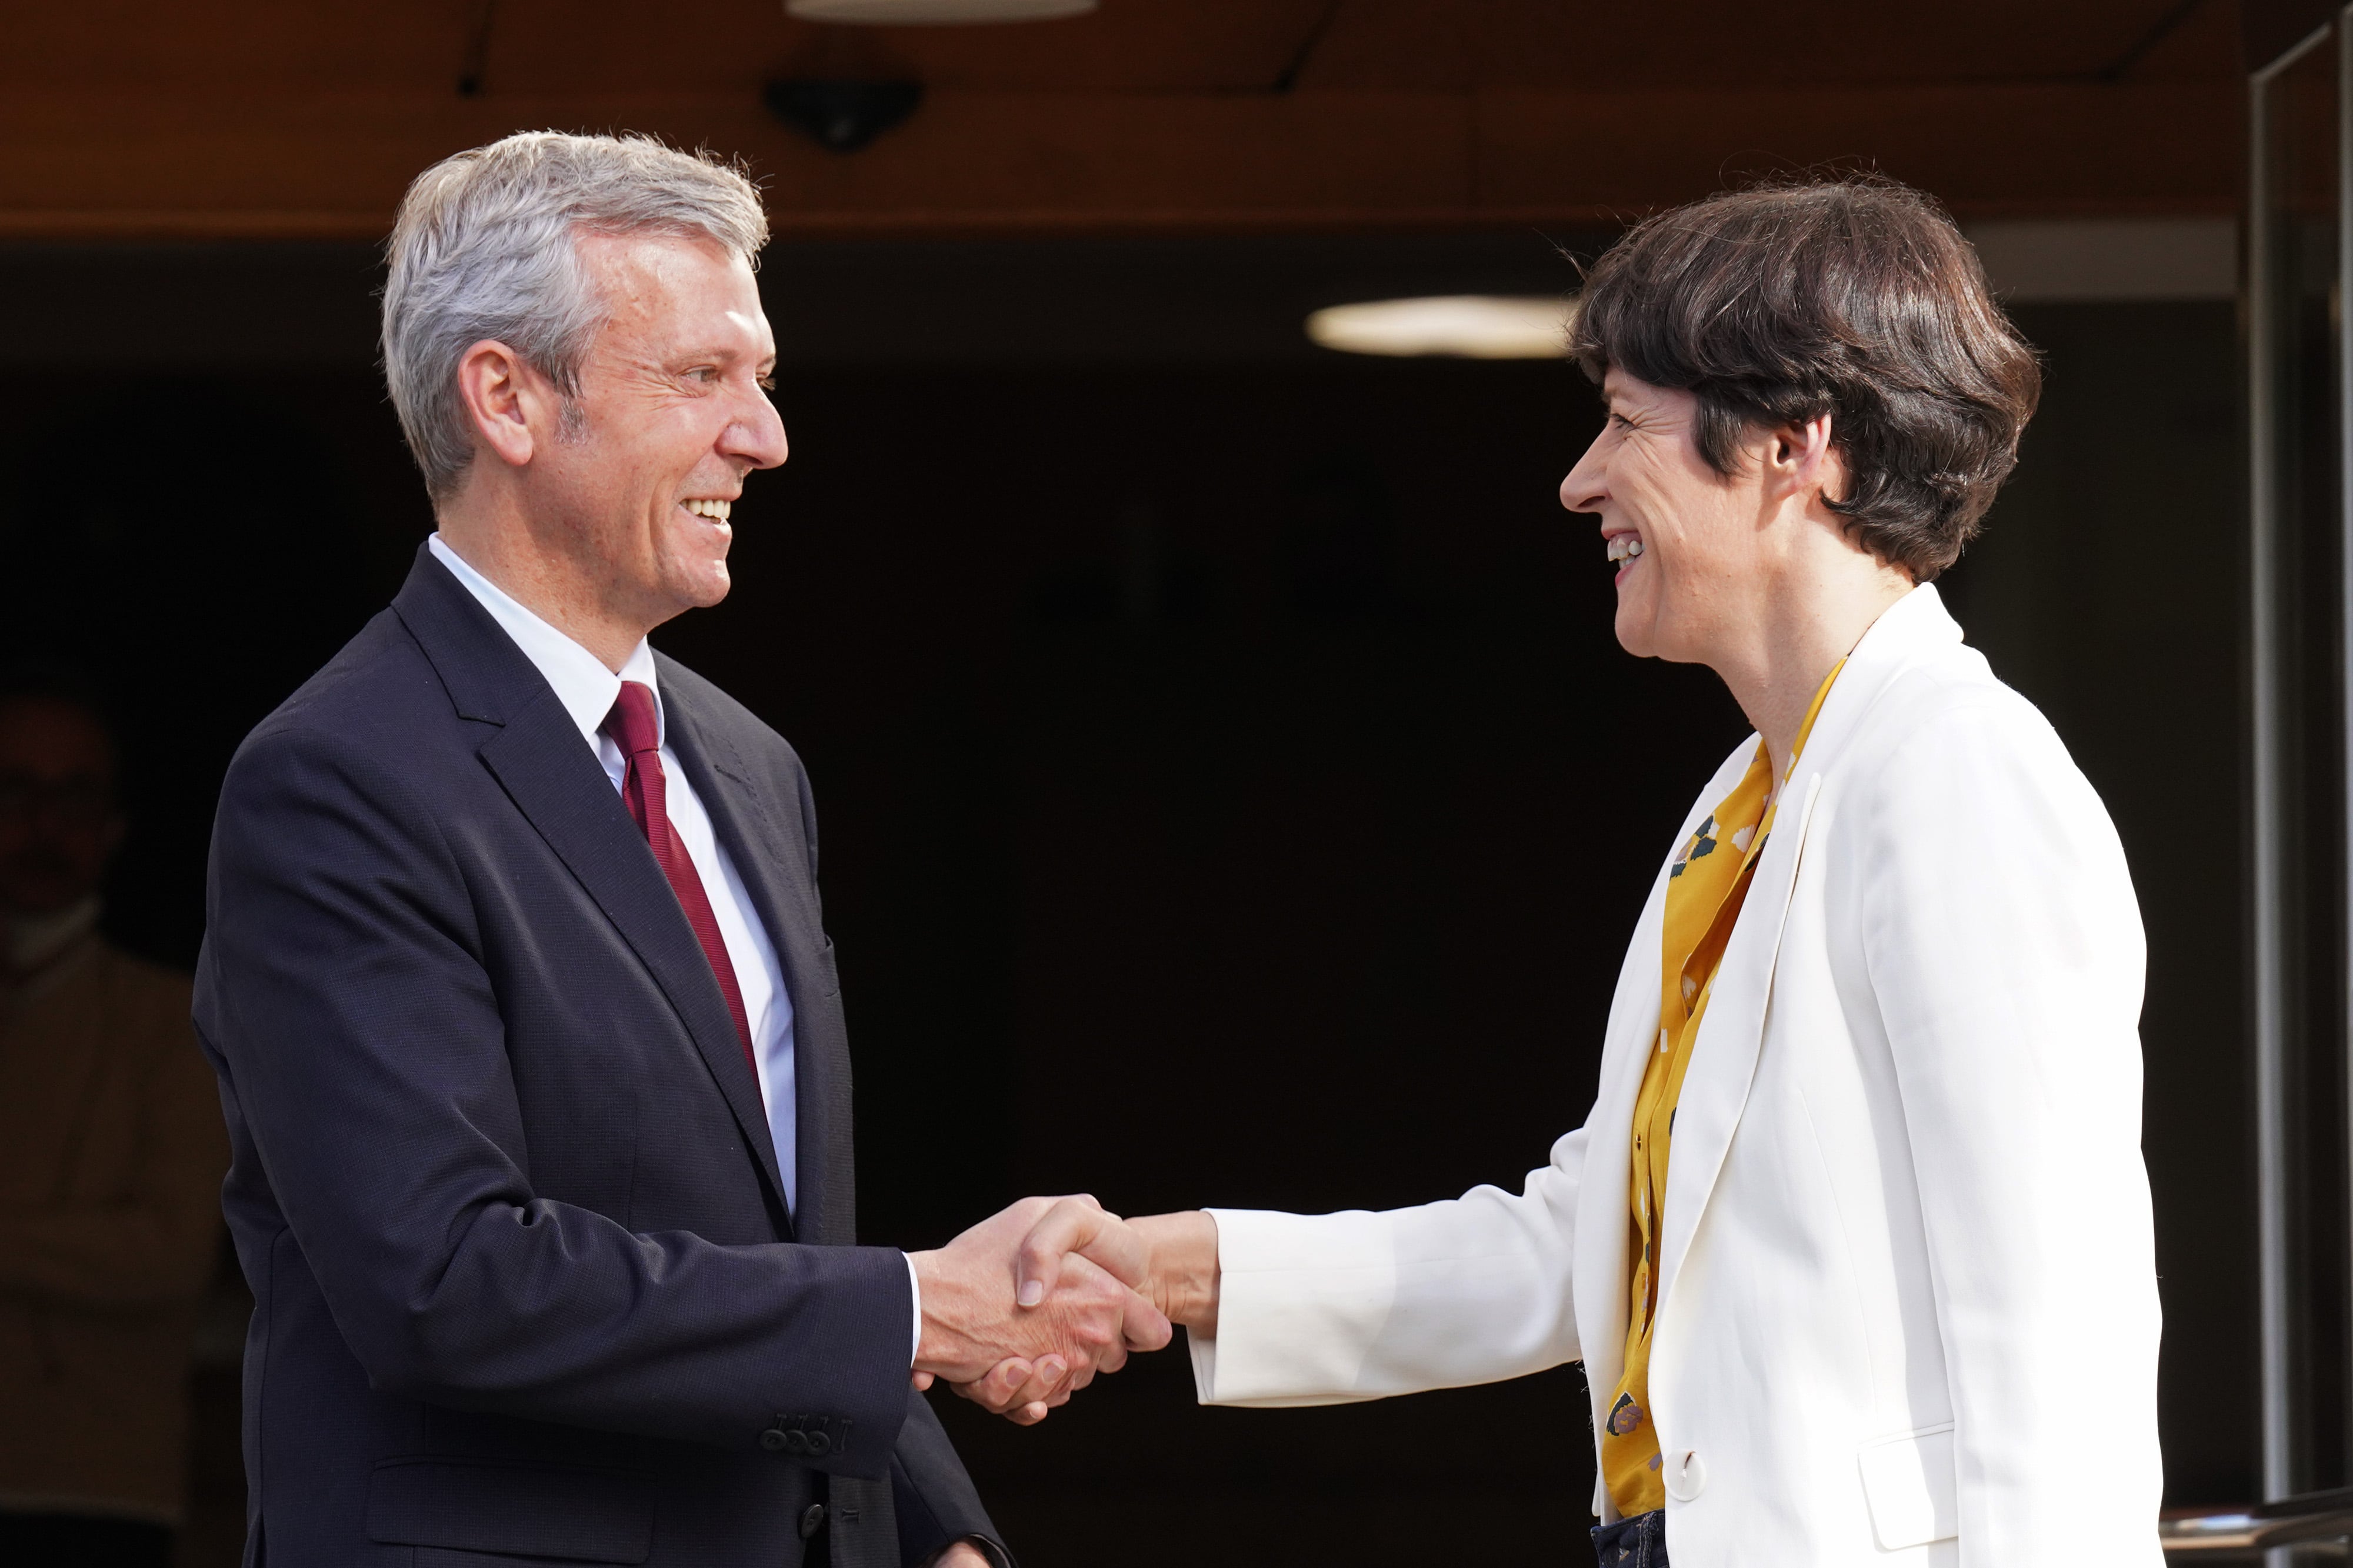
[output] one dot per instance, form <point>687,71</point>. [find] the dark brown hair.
<point>1852,296</point>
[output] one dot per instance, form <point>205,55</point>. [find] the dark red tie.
<point>635,729</point>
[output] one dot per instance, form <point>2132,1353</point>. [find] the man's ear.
<point>507,401</point>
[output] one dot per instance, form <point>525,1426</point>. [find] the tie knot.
<point>632,722</point>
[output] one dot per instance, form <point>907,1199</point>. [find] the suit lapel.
<point>554,781</point>
<point>774,864</point>
<point>557,784</point>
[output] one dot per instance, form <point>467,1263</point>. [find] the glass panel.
<point>2299,614</point>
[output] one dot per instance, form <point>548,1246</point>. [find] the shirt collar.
<point>580,680</point>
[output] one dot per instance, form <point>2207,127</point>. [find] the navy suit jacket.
<point>525,1282</point>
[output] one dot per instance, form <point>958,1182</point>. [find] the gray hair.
<point>485,246</point>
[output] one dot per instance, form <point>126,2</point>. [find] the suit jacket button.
<point>1686,1477</point>
<point>773,1440</point>
<point>796,1441</point>
<point>819,1445</point>
<point>812,1520</point>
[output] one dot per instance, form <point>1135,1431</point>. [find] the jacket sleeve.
<point>154,1241</point>
<point>2004,951</point>
<point>936,1501</point>
<point>363,1046</point>
<point>1330,1308</point>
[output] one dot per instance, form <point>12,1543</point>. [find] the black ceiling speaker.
<point>842,116</point>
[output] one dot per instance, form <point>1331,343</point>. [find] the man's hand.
<point>960,1554</point>
<point>1084,1321</point>
<point>1171,1259</point>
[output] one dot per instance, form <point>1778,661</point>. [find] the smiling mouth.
<point>1625,547</point>
<point>712,507</point>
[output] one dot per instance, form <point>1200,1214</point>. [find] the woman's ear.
<point>1802,458</point>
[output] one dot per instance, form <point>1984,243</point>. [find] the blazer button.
<point>812,1520</point>
<point>819,1445</point>
<point>774,1439</point>
<point>1686,1477</point>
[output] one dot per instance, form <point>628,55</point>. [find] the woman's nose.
<point>1583,489</point>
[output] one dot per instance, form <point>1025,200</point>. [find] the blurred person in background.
<point>111,1154</point>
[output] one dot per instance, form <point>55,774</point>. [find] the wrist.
<point>940,1348</point>
<point>1183,1253</point>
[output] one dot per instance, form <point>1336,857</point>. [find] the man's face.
<point>672,412</point>
<point>1697,532</point>
<point>58,821</point>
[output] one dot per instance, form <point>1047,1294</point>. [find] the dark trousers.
<point>1637,1542</point>
<point>75,1540</point>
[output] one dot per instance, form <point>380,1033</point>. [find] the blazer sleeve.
<point>365,1055</point>
<point>934,1500</point>
<point>2004,951</point>
<point>1330,1308</point>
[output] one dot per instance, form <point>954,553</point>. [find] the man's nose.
<point>757,434</point>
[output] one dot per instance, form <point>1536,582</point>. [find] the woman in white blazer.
<point>1896,1299</point>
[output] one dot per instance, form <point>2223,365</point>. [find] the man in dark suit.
<point>527,1028</point>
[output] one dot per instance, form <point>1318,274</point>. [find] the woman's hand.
<point>1170,1259</point>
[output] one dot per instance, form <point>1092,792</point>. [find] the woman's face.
<point>1684,538</point>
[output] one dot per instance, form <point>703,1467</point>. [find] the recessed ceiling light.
<point>1463,326</point>
<point>933,13</point>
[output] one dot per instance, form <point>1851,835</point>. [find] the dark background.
<point>1231,791</point>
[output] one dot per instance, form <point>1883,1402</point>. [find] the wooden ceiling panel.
<point>540,47</point>
<point>535,46</point>
<point>1835,43</point>
<point>1385,45</point>
<point>2032,150</point>
<point>2203,45</point>
<point>218,49</point>
<point>132,117</point>
<point>1128,45</point>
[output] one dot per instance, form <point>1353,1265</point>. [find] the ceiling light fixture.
<point>933,13</point>
<point>1457,326</point>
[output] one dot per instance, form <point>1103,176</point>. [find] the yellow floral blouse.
<point>1705,890</point>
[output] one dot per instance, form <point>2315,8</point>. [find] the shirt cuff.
<point>915,1297</point>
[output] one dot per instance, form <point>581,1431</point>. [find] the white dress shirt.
<point>588,690</point>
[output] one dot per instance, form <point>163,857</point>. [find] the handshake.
<point>1023,1309</point>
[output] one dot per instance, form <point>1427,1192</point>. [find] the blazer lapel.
<point>1599,1285</point>
<point>774,864</point>
<point>1723,1057</point>
<point>537,756</point>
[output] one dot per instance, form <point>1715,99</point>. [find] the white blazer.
<point>1908,1308</point>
